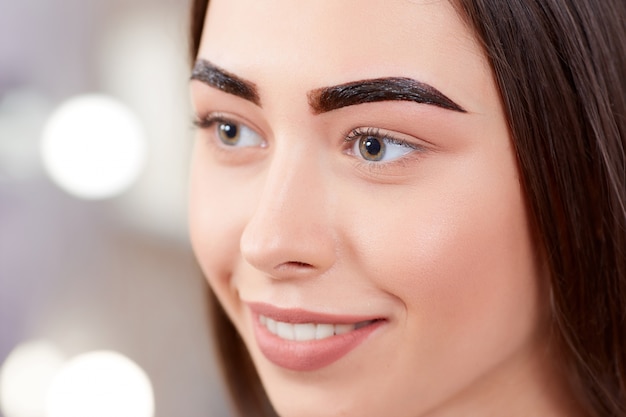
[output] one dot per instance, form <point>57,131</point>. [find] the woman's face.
<point>357,209</point>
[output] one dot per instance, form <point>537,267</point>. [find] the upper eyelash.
<point>359,133</point>
<point>205,122</point>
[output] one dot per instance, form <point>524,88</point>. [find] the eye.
<point>373,146</point>
<point>237,134</point>
<point>231,133</point>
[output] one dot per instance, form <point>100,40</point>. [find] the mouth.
<point>304,332</point>
<point>301,340</point>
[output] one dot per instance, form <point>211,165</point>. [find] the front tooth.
<point>304,332</point>
<point>271,325</point>
<point>285,330</point>
<point>263,320</point>
<point>322,331</point>
<point>343,328</point>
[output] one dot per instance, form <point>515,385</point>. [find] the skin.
<point>436,241</point>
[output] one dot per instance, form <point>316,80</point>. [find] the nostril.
<point>293,265</point>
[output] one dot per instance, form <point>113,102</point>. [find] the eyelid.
<point>390,170</point>
<point>207,120</point>
<point>249,139</point>
<point>381,134</point>
<point>386,136</point>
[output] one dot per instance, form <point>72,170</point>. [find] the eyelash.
<point>377,167</point>
<point>208,124</point>
<point>360,133</point>
<point>210,120</point>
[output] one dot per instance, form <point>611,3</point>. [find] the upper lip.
<point>298,315</point>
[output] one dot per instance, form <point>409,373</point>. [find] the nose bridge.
<point>290,232</point>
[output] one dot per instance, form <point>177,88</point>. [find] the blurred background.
<point>99,290</point>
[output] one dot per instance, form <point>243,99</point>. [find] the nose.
<point>290,233</point>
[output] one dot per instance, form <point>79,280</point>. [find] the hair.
<point>560,67</point>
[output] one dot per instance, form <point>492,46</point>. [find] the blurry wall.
<point>111,273</point>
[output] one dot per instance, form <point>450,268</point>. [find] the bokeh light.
<point>89,274</point>
<point>26,376</point>
<point>93,146</point>
<point>134,44</point>
<point>101,384</point>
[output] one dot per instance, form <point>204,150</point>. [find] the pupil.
<point>229,130</point>
<point>372,148</point>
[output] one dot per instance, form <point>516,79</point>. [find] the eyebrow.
<point>326,99</point>
<point>223,80</point>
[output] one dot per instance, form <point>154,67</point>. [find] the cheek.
<point>466,250</point>
<point>215,210</point>
<point>461,261</point>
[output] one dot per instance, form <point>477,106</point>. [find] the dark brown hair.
<point>560,66</point>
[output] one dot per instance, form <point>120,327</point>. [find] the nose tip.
<point>290,232</point>
<point>286,246</point>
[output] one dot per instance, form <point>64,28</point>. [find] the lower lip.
<point>309,355</point>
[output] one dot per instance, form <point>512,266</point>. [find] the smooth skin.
<point>434,237</point>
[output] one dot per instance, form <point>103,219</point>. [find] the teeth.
<point>360,324</point>
<point>308,331</point>
<point>323,331</point>
<point>271,325</point>
<point>343,328</point>
<point>285,330</point>
<point>304,331</point>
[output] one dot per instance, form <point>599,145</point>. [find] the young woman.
<point>414,208</point>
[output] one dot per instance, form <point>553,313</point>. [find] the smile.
<point>301,340</point>
<point>303,332</point>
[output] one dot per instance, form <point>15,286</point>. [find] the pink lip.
<point>313,354</point>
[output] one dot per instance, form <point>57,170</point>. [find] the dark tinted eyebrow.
<point>327,99</point>
<point>225,81</point>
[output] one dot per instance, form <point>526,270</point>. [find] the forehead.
<point>311,43</point>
